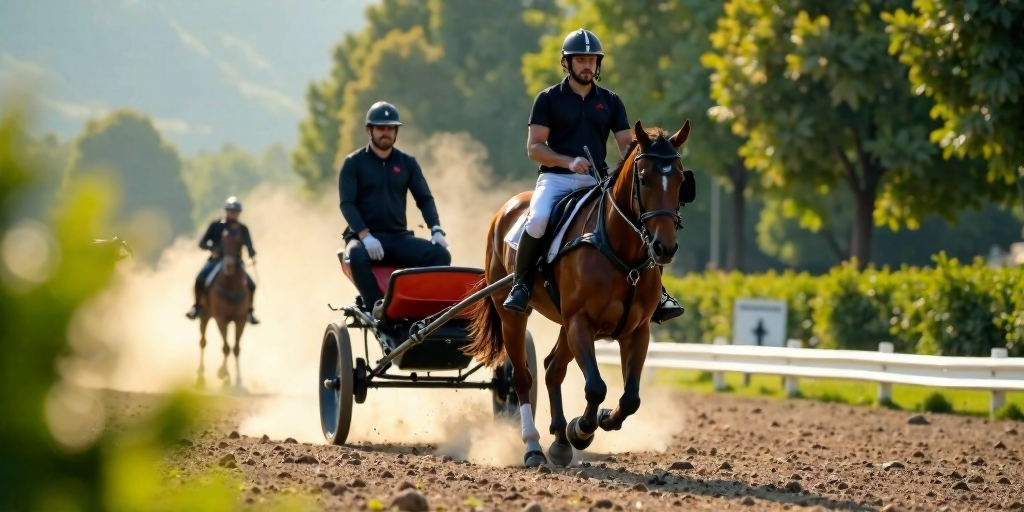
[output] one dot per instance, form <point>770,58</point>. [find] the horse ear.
<point>680,137</point>
<point>641,135</point>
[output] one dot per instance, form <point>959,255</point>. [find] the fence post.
<point>885,388</point>
<point>998,397</point>
<point>718,378</point>
<point>792,384</point>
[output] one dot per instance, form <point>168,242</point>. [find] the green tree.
<point>153,197</point>
<point>212,177</point>
<point>823,105</point>
<point>969,57</point>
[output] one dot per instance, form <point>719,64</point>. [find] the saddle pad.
<point>213,273</point>
<point>516,231</point>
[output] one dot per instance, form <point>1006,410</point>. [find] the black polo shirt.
<point>575,121</point>
<point>373,191</point>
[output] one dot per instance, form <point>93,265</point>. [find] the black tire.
<point>509,408</point>
<point>336,401</point>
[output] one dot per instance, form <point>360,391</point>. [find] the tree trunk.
<point>864,186</point>
<point>736,253</point>
<point>863,228</point>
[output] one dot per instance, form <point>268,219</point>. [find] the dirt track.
<point>741,453</point>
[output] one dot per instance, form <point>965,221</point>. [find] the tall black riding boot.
<point>522,283</point>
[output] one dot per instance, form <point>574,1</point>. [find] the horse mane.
<point>653,132</point>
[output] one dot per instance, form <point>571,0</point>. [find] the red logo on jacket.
<point>600,106</point>
<point>398,169</point>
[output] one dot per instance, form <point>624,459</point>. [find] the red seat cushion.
<point>381,272</point>
<point>417,293</point>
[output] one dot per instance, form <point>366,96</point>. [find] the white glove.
<point>438,238</point>
<point>373,247</point>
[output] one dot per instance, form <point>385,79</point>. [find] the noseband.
<point>662,152</point>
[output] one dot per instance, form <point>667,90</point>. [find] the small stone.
<point>978,462</point>
<point>339,490</point>
<point>409,500</point>
<point>775,424</point>
<point>386,474</point>
<point>307,459</point>
<point>681,466</point>
<point>288,460</point>
<point>748,501</point>
<point>533,506</point>
<point>917,419</point>
<point>725,465</point>
<point>956,474</point>
<point>895,464</point>
<point>222,444</point>
<point>843,485</point>
<point>976,479</point>
<point>714,451</point>
<point>1011,431</point>
<point>603,503</point>
<point>639,486</point>
<point>446,458</point>
<point>918,454</point>
<point>691,451</point>
<point>358,483</point>
<point>265,439</point>
<point>234,435</point>
<point>291,440</point>
<point>328,485</point>
<point>354,462</point>
<point>284,475</point>
<point>543,469</point>
<point>1004,481</point>
<point>222,462</point>
<point>794,487</point>
<point>1000,446</point>
<point>961,486</point>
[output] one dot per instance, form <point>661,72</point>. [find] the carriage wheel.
<point>359,381</point>
<point>509,408</point>
<point>336,384</point>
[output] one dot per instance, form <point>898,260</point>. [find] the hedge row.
<point>949,309</point>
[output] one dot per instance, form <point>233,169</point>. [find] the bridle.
<point>662,152</point>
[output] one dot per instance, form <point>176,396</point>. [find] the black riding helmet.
<point>382,113</point>
<point>583,42</point>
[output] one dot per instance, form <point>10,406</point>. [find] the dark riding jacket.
<point>211,239</point>
<point>576,122</point>
<point>373,192</point>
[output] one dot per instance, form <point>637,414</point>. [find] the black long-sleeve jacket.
<point>373,192</point>
<point>211,238</point>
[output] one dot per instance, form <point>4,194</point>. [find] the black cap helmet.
<point>382,113</point>
<point>582,42</point>
<point>233,204</point>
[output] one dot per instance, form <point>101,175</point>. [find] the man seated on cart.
<point>373,184</point>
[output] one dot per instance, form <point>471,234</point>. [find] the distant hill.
<point>209,72</point>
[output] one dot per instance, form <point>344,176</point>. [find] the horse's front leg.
<point>580,431</point>
<point>201,373</point>
<point>239,327</point>
<point>555,366</point>
<point>223,374</point>
<point>633,351</point>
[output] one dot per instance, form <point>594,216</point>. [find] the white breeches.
<point>550,189</point>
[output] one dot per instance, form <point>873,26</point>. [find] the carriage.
<point>421,328</point>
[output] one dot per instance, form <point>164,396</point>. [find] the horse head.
<point>656,177</point>
<point>230,249</point>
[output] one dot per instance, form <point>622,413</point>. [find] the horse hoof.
<point>577,442</point>
<point>561,454</point>
<point>534,458</point>
<point>604,420</point>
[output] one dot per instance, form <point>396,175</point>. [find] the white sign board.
<point>759,322</point>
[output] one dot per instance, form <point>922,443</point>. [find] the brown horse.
<point>226,301</point>
<point>607,283</point>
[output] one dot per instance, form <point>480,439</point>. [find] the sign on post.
<point>760,322</point>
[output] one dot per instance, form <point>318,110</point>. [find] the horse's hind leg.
<point>513,330</point>
<point>200,377</point>
<point>580,431</point>
<point>555,366</point>
<point>633,354</point>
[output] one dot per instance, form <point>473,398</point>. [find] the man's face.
<point>231,215</point>
<point>583,68</point>
<point>382,137</point>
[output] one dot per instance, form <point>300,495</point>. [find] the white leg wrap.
<point>530,432</point>
<point>581,434</point>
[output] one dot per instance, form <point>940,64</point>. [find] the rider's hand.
<point>373,247</point>
<point>438,238</point>
<point>579,165</point>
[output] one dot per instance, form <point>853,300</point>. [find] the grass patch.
<point>912,398</point>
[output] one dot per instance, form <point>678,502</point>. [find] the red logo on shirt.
<point>397,169</point>
<point>600,106</point>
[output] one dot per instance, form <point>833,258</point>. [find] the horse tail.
<point>487,344</point>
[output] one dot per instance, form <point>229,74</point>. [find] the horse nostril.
<point>659,249</point>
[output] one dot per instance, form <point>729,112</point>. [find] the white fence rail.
<point>997,374</point>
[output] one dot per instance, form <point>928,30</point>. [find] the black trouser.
<point>400,250</point>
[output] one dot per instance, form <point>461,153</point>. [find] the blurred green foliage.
<point>953,308</point>
<point>60,450</point>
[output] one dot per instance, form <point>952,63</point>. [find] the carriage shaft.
<point>418,338</point>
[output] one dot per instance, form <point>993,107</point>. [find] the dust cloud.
<point>142,318</point>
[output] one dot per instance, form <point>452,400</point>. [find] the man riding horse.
<point>211,241</point>
<point>373,184</point>
<point>560,126</point>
